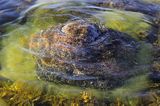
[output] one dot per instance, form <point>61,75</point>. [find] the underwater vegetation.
<point>20,85</point>
<point>36,94</point>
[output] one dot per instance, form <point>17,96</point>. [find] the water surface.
<point>19,82</point>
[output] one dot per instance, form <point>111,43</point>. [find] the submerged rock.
<point>85,54</point>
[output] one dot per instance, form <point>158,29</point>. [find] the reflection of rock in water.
<point>84,54</point>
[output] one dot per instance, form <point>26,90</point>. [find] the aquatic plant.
<point>125,21</point>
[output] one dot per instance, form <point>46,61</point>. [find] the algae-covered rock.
<point>84,54</point>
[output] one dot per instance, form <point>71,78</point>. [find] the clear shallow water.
<point>19,66</point>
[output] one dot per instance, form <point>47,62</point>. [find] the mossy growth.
<point>145,54</point>
<point>35,93</point>
<point>43,18</point>
<point>13,58</point>
<point>132,23</point>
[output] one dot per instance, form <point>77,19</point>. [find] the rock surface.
<point>85,54</point>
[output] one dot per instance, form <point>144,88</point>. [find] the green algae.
<point>13,58</point>
<point>145,54</point>
<point>31,92</point>
<point>132,85</point>
<point>3,103</point>
<point>132,23</point>
<point>44,18</point>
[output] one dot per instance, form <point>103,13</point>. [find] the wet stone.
<point>84,54</point>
